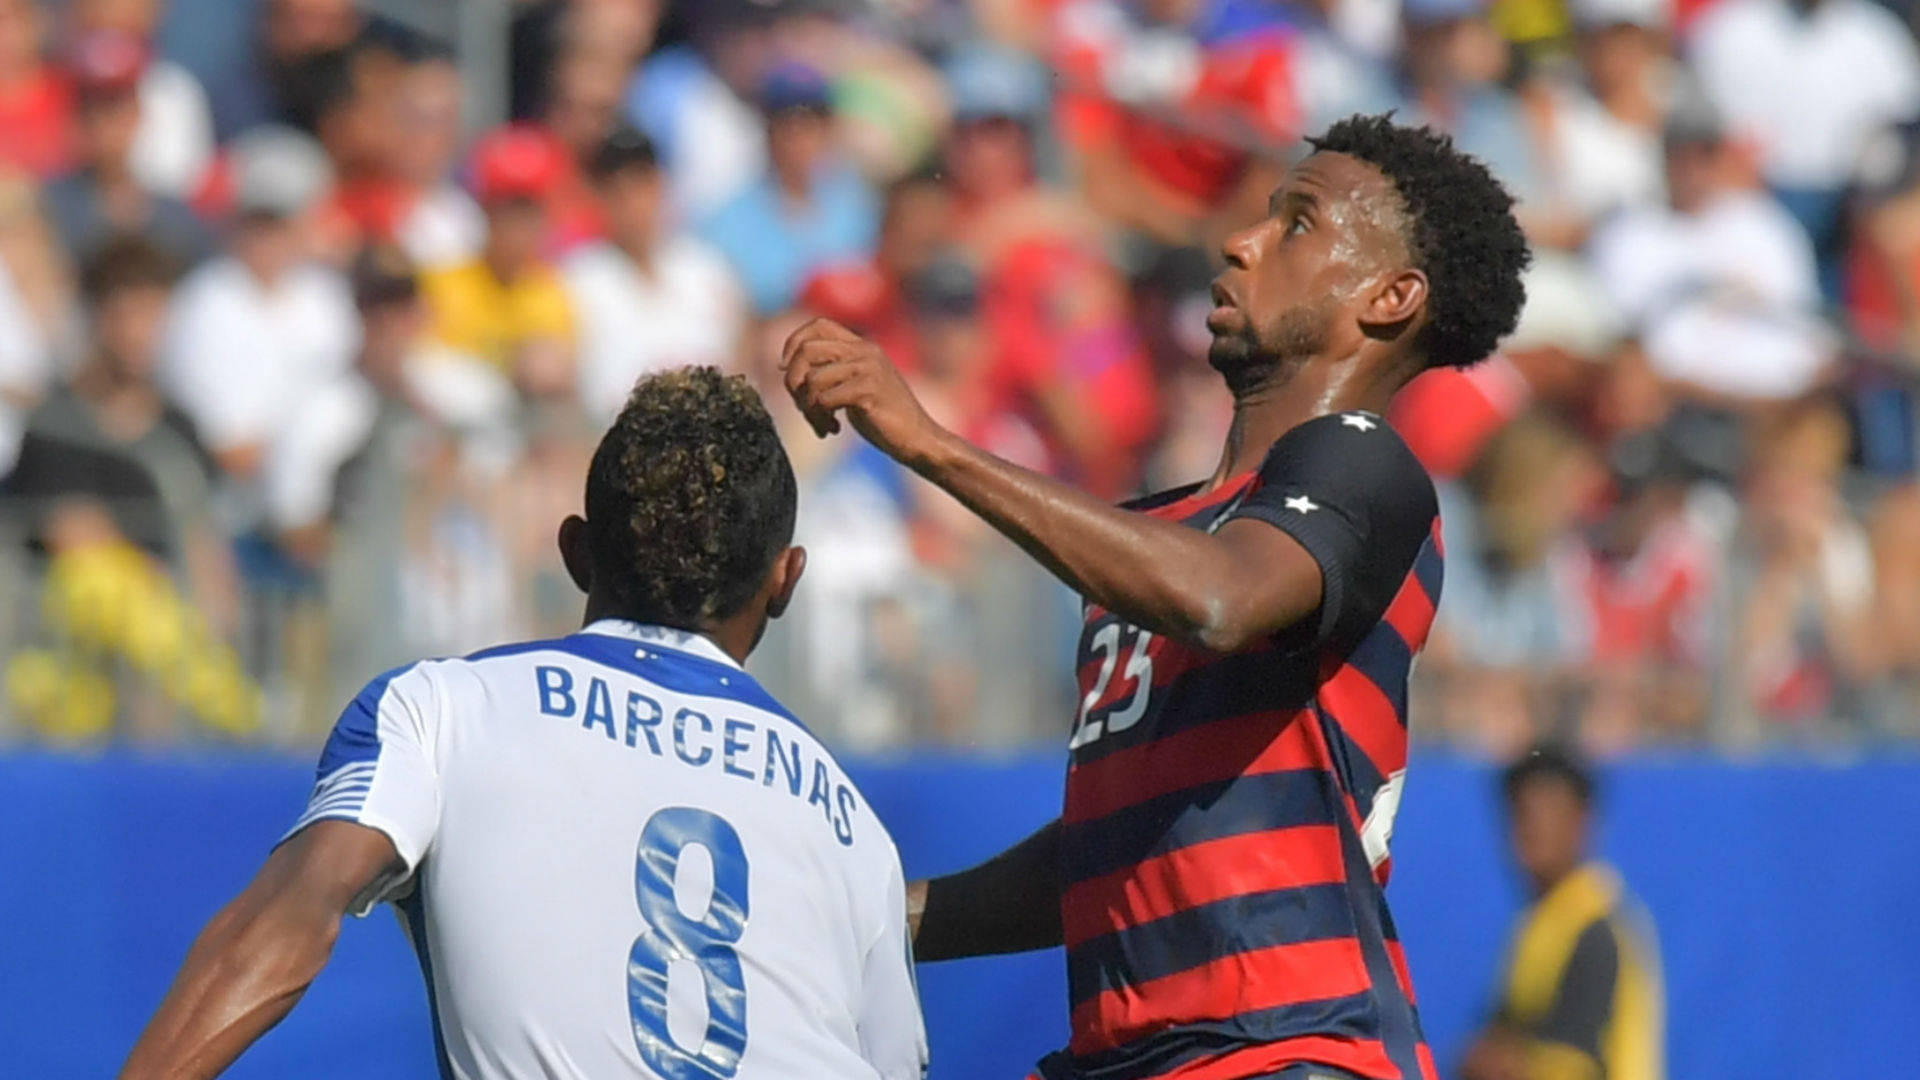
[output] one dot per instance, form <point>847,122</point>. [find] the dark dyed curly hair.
<point>1460,231</point>
<point>690,498</point>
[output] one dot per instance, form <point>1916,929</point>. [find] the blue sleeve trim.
<point>356,735</point>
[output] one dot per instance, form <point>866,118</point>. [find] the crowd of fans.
<point>301,360</point>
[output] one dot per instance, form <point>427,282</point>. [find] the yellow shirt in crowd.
<point>476,313</point>
<point>1583,983</point>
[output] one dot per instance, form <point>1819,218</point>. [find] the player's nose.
<point>1238,249</point>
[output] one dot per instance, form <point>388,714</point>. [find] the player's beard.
<point>1248,360</point>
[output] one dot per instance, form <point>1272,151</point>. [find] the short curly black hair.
<point>1460,230</point>
<point>124,262</point>
<point>1548,761</point>
<point>690,498</point>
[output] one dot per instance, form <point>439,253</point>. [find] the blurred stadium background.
<point>310,312</point>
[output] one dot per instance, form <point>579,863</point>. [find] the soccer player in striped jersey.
<point>1217,874</point>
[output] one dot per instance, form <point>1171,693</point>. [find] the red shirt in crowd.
<point>1061,341</point>
<point>1194,98</point>
<point>36,115</point>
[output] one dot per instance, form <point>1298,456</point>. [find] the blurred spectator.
<point>877,296</point>
<point>36,102</point>
<point>582,107</point>
<point>1623,569</point>
<point>344,460</point>
<point>298,38</point>
<point>437,221</point>
<point>986,82</point>
<point>1067,388</point>
<point>1336,74</point>
<point>352,423</point>
<point>37,328</point>
<point>344,476</point>
<point>1581,993</point>
<point>113,406</point>
<point>1896,619</point>
<point>256,329</point>
<point>1564,345</point>
<point>118,623</point>
<point>1643,587</point>
<point>106,195</point>
<point>693,99</point>
<point>174,142</point>
<point>890,101</point>
<point>1719,286</point>
<point>649,298</point>
<point>617,31</point>
<point>1509,628</point>
<point>1454,65</point>
<point>1806,633</point>
<point>1883,279</point>
<point>1598,132</point>
<point>22,369</point>
<point>1168,103</point>
<point>508,307</point>
<point>388,112</point>
<point>355,91</point>
<point>809,209</point>
<point>1810,82</point>
<point>588,75</point>
<point>26,351</point>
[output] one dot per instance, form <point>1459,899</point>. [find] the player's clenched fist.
<point>830,369</point>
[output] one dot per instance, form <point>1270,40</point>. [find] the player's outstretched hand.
<point>831,370</point>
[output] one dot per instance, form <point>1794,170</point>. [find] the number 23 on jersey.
<point>1092,723</point>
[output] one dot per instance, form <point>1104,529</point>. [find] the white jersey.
<point>626,859</point>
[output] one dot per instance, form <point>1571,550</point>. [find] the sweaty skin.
<point>1319,309</point>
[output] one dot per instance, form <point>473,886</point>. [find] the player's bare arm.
<point>1010,903</point>
<point>1222,591</point>
<point>260,953</point>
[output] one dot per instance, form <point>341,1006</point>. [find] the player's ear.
<point>1397,300</point>
<point>575,551</point>
<point>785,578</point>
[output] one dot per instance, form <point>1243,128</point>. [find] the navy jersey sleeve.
<point>1351,492</point>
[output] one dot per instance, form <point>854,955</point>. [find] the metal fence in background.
<point>103,642</point>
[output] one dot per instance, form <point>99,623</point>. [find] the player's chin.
<point>1229,352</point>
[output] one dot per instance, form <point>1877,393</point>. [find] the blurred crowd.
<point>311,312</point>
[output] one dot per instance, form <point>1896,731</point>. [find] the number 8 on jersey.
<point>707,942</point>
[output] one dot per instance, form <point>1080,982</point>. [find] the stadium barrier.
<point>1782,890</point>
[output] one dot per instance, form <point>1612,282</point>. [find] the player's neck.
<point>736,636</point>
<point>1297,393</point>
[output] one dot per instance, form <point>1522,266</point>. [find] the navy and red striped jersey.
<point>1224,840</point>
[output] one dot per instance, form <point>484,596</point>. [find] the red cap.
<point>852,293</point>
<point>517,161</point>
<point>107,62</point>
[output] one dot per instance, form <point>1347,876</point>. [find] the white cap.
<point>277,170</point>
<point>1646,14</point>
<point>1566,309</point>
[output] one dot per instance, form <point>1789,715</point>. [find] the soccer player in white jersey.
<point>616,854</point>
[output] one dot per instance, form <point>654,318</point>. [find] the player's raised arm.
<point>260,953</point>
<point>1220,591</point>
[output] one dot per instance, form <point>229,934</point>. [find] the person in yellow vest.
<point>509,307</point>
<point>1581,997</point>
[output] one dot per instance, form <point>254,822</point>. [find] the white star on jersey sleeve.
<point>378,769</point>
